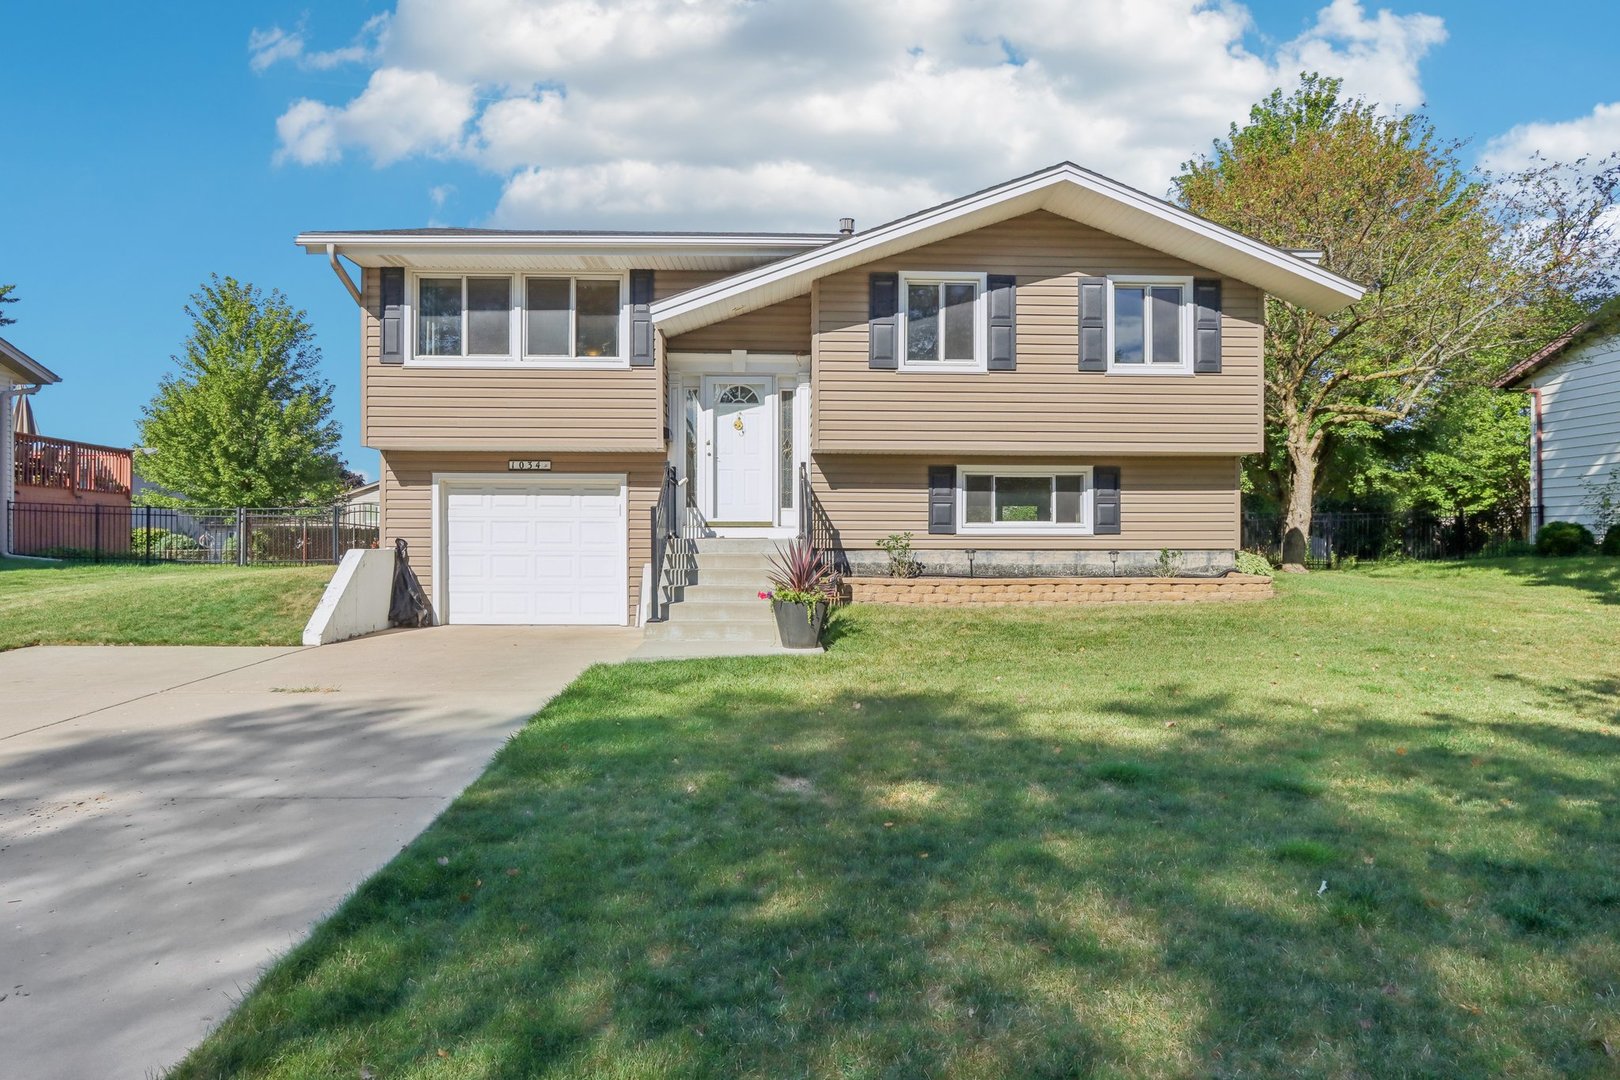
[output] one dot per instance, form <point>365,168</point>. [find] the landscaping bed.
<point>45,603</point>
<point>1368,829</point>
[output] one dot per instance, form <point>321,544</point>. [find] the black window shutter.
<point>1093,324</point>
<point>391,284</point>
<point>641,327</point>
<point>883,321</point>
<point>1105,500</point>
<point>942,499</point>
<point>1207,325</point>
<point>1003,302</point>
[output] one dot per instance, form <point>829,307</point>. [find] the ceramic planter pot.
<point>798,628</point>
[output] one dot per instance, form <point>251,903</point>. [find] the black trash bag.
<point>408,606</point>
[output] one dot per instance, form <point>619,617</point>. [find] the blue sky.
<point>148,146</point>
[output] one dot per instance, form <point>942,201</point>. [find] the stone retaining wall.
<point>1104,590</point>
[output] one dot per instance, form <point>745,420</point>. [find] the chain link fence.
<point>241,536</point>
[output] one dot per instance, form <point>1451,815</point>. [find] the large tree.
<point>246,421</point>
<point>1461,267</point>
<point>6,298</point>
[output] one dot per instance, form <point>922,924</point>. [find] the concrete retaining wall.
<point>356,599</point>
<point>1108,590</point>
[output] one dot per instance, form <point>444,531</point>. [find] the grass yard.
<point>1369,828</point>
<point>84,604</point>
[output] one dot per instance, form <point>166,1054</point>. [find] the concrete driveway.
<point>171,819</point>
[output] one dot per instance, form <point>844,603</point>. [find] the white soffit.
<point>1064,189</point>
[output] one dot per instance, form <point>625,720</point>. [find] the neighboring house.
<point>20,375</point>
<point>1045,377</point>
<point>1574,388</point>
<point>364,495</point>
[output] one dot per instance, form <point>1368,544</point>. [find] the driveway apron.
<point>172,819</point>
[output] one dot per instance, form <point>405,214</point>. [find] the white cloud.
<point>1377,57</point>
<point>267,48</point>
<point>438,193</point>
<point>1594,136</point>
<point>399,113</point>
<point>699,196</point>
<point>743,113</point>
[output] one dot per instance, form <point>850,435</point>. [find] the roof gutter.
<point>343,275</point>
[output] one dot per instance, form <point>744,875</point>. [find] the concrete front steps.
<point>714,609</point>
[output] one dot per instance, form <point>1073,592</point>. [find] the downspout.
<point>343,275</point>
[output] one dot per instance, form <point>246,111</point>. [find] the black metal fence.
<point>151,534</point>
<point>1341,537</point>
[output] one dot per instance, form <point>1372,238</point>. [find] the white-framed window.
<point>1150,325</point>
<point>463,316</point>
<point>573,318</point>
<point>1018,499</point>
<point>539,320</point>
<point>942,321</point>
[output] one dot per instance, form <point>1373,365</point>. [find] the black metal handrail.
<point>816,527</point>
<point>666,514</point>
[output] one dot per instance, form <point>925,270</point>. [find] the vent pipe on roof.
<point>846,226</point>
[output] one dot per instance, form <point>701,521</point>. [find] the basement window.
<point>1018,500</point>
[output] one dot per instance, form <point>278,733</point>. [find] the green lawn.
<point>1368,829</point>
<point>83,604</point>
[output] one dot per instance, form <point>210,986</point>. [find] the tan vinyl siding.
<point>489,408</point>
<point>1165,502</point>
<point>780,328</point>
<point>1047,404</point>
<point>406,500</point>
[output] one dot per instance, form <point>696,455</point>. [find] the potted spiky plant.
<point>802,588</point>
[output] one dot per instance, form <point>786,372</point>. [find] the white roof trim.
<point>1065,189</point>
<point>30,368</point>
<point>315,242</point>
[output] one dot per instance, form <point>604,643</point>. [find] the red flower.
<point>764,596</point>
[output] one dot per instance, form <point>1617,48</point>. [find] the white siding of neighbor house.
<point>1580,427</point>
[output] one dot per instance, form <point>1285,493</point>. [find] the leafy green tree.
<point>246,421</point>
<point>6,298</point>
<point>1467,457</point>
<point>1461,267</point>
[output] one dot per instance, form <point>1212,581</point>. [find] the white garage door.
<point>546,553</point>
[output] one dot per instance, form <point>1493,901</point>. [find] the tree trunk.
<point>1302,452</point>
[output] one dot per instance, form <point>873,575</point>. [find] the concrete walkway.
<point>171,819</point>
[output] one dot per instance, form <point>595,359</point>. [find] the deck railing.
<point>71,466</point>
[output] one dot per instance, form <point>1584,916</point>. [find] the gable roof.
<point>1064,189</point>
<point>1556,348</point>
<point>26,366</point>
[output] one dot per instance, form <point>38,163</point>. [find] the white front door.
<point>542,552</point>
<point>743,451</point>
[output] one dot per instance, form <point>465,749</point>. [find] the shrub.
<point>1249,562</point>
<point>1560,538</point>
<point>165,544</point>
<point>1611,541</point>
<point>902,563</point>
<point>1168,564</point>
